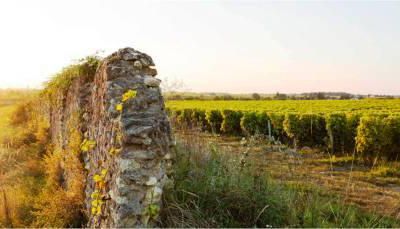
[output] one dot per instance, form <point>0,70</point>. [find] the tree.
<point>279,96</point>
<point>256,96</point>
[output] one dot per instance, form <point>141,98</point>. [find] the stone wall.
<point>125,139</point>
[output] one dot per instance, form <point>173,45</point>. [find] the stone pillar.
<point>126,143</point>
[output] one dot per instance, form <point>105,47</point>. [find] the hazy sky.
<point>225,46</point>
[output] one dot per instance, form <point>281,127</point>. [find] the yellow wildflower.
<point>104,172</point>
<point>119,107</point>
<point>114,151</point>
<point>128,95</point>
<point>97,178</point>
<point>95,195</point>
<point>87,145</point>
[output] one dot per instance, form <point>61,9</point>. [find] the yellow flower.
<point>128,95</point>
<point>115,151</point>
<point>95,203</point>
<point>97,178</point>
<point>119,138</point>
<point>98,210</point>
<point>119,107</point>
<point>95,195</point>
<point>87,145</point>
<point>104,172</point>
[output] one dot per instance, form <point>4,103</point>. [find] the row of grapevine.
<point>363,106</point>
<point>379,136</point>
<point>370,135</point>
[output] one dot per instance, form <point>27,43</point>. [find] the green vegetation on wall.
<point>60,82</point>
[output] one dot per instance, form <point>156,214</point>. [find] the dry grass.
<point>374,190</point>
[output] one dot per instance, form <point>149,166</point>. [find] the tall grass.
<point>213,188</point>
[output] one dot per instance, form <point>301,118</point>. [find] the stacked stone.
<point>129,138</point>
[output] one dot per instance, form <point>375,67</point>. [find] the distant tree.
<point>279,96</point>
<point>320,95</point>
<point>228,97</point>
<point>345,96</point>
<point>256,96</point>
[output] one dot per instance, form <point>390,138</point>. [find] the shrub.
<point>306,129</point>
<point>185,118</point>
<point>231,122</point>
<point>199,119</point>
<point>249,123</point>
<point>336,126</point>
<point>278,130</point>
<point>214,119</point>
<point>263,119</point>
<point>391,133</point>
<point>352,123</point>
<point>254,123</point>
<point>57,208</point>
<point>292,126</point>
<point>315,129</point>
<point>370,138</point>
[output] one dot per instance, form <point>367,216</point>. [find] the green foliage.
<point>336,126</point>
<point>327,128</point>
<point>369,140</point>
<point>214,119</point>
<point>315,129</point>
<point>321,132</point>
<point>185,117</point>
<point>278,129</point>
<point>255,123</point>
<point>353,121</point>
<point>391,131</point>
<point>231,122</point>
<point>199,119</point>
<point>151,212</point>
<point>249,123</point>
<point>306,129</point>
<point>59,84</point>
<point>292,126</point>
<point>365,106</point>
<point>378,136</point>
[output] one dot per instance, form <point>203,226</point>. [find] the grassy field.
<point>374,190</point>
<point>5,113</point>
<point>232,182</point>
<point>9,98</point>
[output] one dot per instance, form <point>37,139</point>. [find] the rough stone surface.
<point>132,139</point>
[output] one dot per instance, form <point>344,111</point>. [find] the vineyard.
<point>370,127</point>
